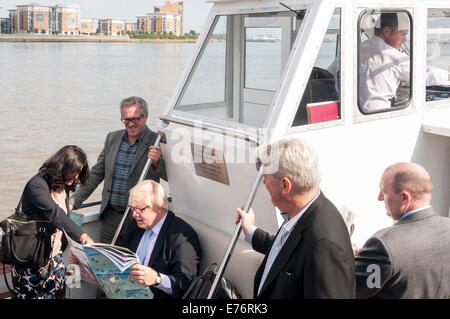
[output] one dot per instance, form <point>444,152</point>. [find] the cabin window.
<point>262,48</point>
<point>321,99</point>
<point>205,91</point>
<point>384,60</point>
<point>438,55</point>
<point>239,68</point>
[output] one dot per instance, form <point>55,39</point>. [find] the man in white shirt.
<point>383,66</point>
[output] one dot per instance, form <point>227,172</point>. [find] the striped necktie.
<point>142,251</point>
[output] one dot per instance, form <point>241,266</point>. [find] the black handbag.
<point>25,242</point>
<point>201,285</point>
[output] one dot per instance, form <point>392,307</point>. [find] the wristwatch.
<point>158,278</point>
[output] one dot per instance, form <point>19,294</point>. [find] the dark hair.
<point>387,20</point>
<point>68,160</point>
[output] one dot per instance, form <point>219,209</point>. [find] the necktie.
<point>142,251</point>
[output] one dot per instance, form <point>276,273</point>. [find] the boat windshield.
<point>239,67</point>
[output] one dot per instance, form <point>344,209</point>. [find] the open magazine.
<point>108,267</point>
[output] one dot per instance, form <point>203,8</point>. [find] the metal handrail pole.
<point>235,237</point>
<point>90,204</point>
<point>141,178</point>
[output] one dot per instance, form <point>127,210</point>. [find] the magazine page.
<point>104,261</point>
<point>83,263</point>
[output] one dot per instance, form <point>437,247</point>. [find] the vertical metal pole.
<point>236,234</point>
<point>141,178</point>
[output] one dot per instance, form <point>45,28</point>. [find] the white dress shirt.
<point>165,284</point>
<point>382,69</point>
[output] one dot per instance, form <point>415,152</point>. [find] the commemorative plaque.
<point>210,163</point>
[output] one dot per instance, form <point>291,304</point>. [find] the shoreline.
<point>84,38</point>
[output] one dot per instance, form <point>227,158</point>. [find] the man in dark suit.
<point>167,246</point>
<point>120,165</point>
<point>311,255</point>
<point>410,259</point>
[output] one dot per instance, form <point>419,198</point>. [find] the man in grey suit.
<point>410,259</point>
<point>120,165</point>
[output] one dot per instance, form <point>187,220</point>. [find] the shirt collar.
<point>413,211</point>
<point>157,228</point>
<point>289,224</point>
<point>139,139</point>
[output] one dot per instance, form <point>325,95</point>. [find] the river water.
<point>54,94</point>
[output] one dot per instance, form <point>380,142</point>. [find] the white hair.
<point>151,193</point>
<point>292,158</point>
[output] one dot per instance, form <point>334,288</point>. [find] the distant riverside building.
<point>45,19</point>
<point>130,27</point>
<point>66,19</point>
<point>143,24</point>
<point>165,19</point>
<point>88,26</point>
<point>4,25</point>
<point>173,8</point>
<point>165,22</point>
<point>112,26</point>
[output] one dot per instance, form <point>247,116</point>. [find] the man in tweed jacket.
<point>410,259</point>
<point>120,165</point>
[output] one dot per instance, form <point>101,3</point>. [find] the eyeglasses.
<point>133,119</point>
<point>137,210</point>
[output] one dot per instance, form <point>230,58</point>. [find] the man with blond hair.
<point>168,248</point>
<point>311,255</point>
<point>410,259</point>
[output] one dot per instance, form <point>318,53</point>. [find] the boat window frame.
<point>436,104</point>
<point>209,27</point>
<point>342,95</point>
<point>409,104</point>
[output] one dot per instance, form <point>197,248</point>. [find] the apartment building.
<point>112,26</point>
<point>165,19</point>
<point>44,19</point>
<point>176,8</point>
<point>66,19</point>
<point>4,25</point>
<point>130,27</point>
<point>165,22</point>
<point>143,24</point>
<point>88,26</point>
<point>31,18</point>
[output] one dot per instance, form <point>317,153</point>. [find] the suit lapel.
<point>161,238</point>
<point>145,144</point>
<point>136,238</point>
<point>115,145</point>
<point>290,245</point>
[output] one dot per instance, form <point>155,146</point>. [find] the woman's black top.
<point>37,202</point>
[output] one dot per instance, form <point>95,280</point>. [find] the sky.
<point>196,11</point>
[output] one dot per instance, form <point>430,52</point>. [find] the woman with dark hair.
<point>46,196</point>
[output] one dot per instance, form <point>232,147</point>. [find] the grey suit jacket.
<point>413,257</point>
<point>104,168</point>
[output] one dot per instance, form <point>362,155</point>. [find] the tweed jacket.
<point>412,259</point>
<point>103,170</point>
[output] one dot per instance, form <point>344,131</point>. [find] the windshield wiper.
<point>300,13</point>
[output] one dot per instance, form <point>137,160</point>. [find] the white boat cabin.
<point>264,70</point>
<point>268,69</point>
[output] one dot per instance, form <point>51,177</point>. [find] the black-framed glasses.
<point>133,119</point>
<point>137,210</point>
